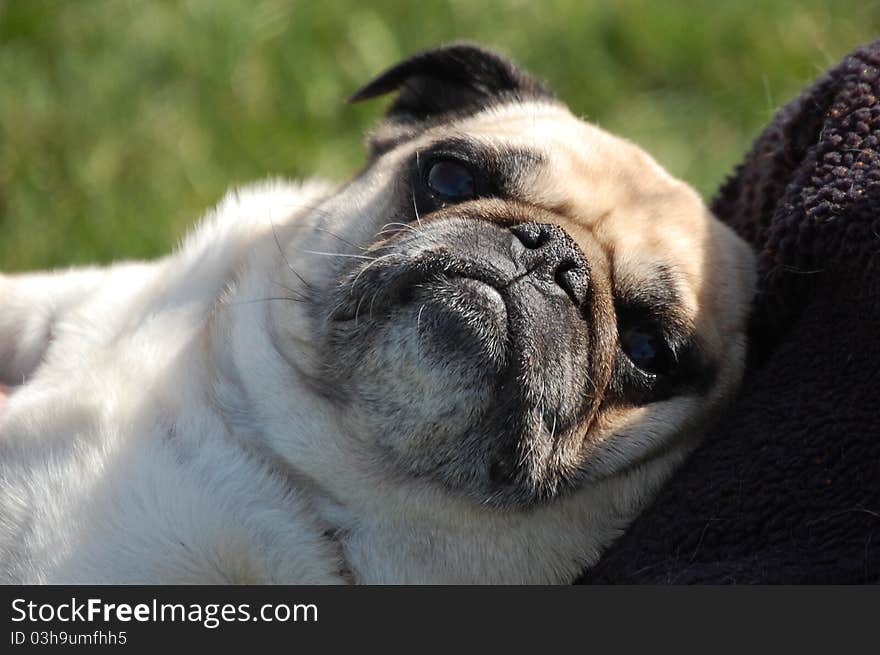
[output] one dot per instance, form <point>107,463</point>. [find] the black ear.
<point>455,79</point>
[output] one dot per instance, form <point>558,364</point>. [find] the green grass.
<point>122,121</point>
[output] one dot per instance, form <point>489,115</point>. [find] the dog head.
<point>508,302</point>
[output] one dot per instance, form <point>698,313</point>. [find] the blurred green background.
<point>121,121</point>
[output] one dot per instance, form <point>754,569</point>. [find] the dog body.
<point>474,362</point>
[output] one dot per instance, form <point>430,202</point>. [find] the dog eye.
<point>451,179</point>
<point>647,350</point>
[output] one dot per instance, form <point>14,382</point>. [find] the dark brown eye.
<point>646,350</point>
<point>451,179</point>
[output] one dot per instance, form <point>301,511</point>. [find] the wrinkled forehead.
<point>606,191</point>
<point>577,166</point>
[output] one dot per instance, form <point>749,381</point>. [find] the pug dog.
<point>475,362</point>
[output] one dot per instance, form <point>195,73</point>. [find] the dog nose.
<point>551,254</point>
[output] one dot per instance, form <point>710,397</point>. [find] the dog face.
<point>508,302</point>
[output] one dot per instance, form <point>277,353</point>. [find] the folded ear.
<point>452,80</point>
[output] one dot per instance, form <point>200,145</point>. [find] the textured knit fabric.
<point>786,487</point>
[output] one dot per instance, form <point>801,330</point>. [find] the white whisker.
<point>363,270</point>
<point>419,319</point>
<point>357,309</point>
<point>404,226</point>
<point>336,254</point>
<point>416,209</point>
<point>375,293</point>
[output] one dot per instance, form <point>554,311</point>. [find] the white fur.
<point>115,464</point>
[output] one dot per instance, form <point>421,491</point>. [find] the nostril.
<point>574,279</point>
<point>531,235</point>
<point>561,276</point>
